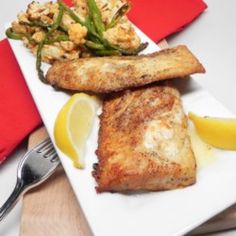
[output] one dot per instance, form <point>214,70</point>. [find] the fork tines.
<point>46,148</point>
<point>45,144</point>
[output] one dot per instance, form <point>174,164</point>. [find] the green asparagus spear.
<point>39,62</point>
<point>127,52</point>
<point>96,17</point>
<point>58,38</point>
<point>107,52</point>
<point>13,35</point>
<point>92,45</point>
<point>54,26</point>
<point>19,36</point>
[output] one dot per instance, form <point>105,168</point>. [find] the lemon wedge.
<point>203,152</point>
<point>219,132</point>
<point>73,125</point>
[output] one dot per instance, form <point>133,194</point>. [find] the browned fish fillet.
<point>143,142</point>
<point>107,74</point>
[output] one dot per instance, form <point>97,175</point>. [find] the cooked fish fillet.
<point>143,142</point>
<point>107,74</point>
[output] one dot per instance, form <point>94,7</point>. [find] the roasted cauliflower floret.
<point>38,36</point>
<point>46,20</point>
<point>66,21</point>
<point>77,33</point>
<point>36,10</point>
<point>23,17</point>
<point>53,8</point>
<point>18,28</point>
<point>50,53</point>
<point>67,45</point>
<point>32,47</point>
<point>123,35</point>
<point>72,55</point>
<point>81,8</point>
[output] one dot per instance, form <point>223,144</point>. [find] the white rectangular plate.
<point>156,213</point>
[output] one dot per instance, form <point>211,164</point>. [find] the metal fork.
<point>35,167</point>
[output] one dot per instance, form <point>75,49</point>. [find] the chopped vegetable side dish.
<point>53,31</point>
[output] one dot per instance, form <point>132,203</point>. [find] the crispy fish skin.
<point>107,74</point>
<point>143,142</point>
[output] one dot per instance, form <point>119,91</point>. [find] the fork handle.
<point>12,200</point>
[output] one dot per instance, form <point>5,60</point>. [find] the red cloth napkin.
<point>18,114</point>
<point>160,18</point>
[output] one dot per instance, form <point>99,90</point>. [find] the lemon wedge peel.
<point>73,126</point>
<point>218,132</point>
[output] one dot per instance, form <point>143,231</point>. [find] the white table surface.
<point>211,37</point>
